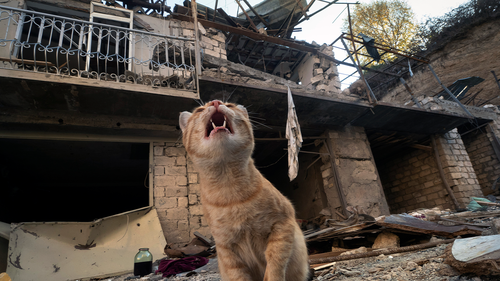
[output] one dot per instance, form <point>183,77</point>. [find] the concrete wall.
<point>358,175</point>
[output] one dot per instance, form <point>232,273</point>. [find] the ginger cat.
<point>253,224</point>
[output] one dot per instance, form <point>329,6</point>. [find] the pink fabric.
<point>173,267</point>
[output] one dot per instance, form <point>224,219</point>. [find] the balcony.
<point>44,47</point>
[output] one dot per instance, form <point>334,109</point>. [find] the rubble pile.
<point>426,244</point>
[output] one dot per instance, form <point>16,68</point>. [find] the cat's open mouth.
<point>218,123</point>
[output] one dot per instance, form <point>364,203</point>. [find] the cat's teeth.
<point>213,125</point>
<point>224,125</point>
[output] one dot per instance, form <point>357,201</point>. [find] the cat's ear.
<point>243,109</point>
<point>183,119</point>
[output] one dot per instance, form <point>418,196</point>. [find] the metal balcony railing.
<point>38,42</point>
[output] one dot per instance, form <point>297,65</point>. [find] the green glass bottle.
<point>143,262</point>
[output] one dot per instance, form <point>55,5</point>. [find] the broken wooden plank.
<point>477,249</point>
<point>470,214</point>
<point>406,222</point>
<point>477,255</point>
<point>389,251</point>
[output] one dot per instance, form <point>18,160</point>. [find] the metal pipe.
<point>357,62</point>
<point>441,173</point>
<point>409,91</point>
<point>359,71</point>
<point>449,93</point>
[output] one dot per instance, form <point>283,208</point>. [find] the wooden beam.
<point>422,147</point>
<point>248,33</point>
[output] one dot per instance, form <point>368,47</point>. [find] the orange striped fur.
<point>253,224</point>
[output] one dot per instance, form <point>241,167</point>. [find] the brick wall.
<point>411,179</point>
<point>458,168</point>
<point>483,158</point>
<point>176,194</point>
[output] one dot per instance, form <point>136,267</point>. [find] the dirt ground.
<point>424,265</point>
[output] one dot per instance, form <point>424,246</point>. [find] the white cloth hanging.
<point>294,137</point>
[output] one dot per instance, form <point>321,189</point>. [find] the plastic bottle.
<point>143,262</point>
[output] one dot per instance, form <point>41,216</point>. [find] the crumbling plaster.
<point>357,173</point>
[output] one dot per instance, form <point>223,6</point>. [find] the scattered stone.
<point>356,251</point>
<point>386,240</point>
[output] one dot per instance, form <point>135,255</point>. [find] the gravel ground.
<point>424,265</point>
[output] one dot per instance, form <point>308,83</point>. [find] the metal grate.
<point>38,42</point>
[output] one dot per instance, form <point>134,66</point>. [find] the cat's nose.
<point>216,104</point>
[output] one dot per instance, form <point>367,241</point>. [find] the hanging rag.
<point>173,267</point>
<point>294,137</point>
<point>369,44</point>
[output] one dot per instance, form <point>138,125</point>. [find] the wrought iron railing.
<point>38,42</point>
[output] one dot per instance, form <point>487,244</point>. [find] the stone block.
<point>317,71</point>
<point>196,210</point>
<point>175,151</point>
<point>192,178</point>
<point>194,222</point>
<point>193,199</point>
<point>164,161</point>
<point>166,202</point>
<point>201,29</point>
<point>180,161</point>
<point>386,240</point>
<point>182,202</point>
<point>183,224</point>
<point>181,180</point>
<point>177,214</point>
<point>316,79</point>
<point>159,170</point>
<point>175,170</point>
<point>164,180</point>
<point>158,191</point>
<point>326,173</point>
<point>177,236</point>
<point>176,191</point>
<point>169,225</point>
<point>158,150</point>
<point>194,188</point>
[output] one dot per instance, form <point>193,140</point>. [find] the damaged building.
<point>89,102</point>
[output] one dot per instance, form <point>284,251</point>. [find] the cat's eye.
<point>199,109</point>
<point>230,105</point>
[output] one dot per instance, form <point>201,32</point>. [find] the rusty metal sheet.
<point>73,250</point>
<point>409,223</point>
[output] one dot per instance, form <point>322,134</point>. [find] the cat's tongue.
<point>218,129</point>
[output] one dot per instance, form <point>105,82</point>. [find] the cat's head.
<point>217,131</point>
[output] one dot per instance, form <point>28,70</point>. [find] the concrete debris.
<point>386,240</point>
